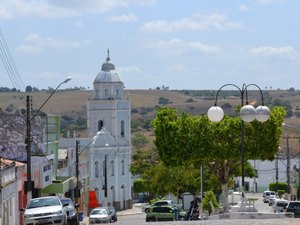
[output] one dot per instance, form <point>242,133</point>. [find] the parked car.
<point>45,210</point>
<point>113,213</point>
<point>267,195</point>
<point>100,215</point>
<point>279,205</point>
<point>71,211</point>
<point>294,207</point>
<point>158,203</point>
<point>272,199</point>
<point>165,213</point>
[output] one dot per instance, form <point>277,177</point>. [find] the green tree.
<point>139,141</point>
<point>182,139</point>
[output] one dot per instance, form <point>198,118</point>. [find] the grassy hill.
<point>144,102</point>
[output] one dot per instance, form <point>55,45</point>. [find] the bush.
<point>278,186</point>
<point>209,197</point>
<point>280,193</point>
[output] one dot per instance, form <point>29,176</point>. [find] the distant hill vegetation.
<point>70,104</point>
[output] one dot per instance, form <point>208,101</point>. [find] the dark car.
<point>294,207</point>
<point>71,211</point>
<point>113,213</point>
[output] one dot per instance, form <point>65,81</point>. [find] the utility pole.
<point>276,175</point>
<point>105,176</point>
<point>29,184</point>
<point>288,167</point>
<point>77,189</point>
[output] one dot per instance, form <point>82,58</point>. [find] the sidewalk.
<point>136,209</point>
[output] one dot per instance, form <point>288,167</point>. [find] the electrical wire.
<point>10,66</point>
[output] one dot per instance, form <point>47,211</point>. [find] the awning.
<point>93,202</point>
<point>60,186</point>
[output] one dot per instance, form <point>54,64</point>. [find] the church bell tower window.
<point>100,125</point>
<point>122,128</point>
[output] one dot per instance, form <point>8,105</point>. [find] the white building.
<point>104,159</point>
<point>8,193</point>
<point>110,154</point>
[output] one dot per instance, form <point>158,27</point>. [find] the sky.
<point>191,44</point>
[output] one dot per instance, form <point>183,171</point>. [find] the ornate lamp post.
<point>247,113</point>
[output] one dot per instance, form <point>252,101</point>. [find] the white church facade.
<point>108,113</point>
<point>104,157</point>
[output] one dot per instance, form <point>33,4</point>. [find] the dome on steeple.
<point>108,72</point>
<point>107,84</point>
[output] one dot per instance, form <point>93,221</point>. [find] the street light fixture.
<point>29,184</point>
<point>247,113</point>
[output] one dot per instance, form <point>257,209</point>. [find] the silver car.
<point>45,210</point>
<point>100,215</point>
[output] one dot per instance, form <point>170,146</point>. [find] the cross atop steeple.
<point>107,59</point>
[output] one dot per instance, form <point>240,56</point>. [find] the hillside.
<point>144,103</point>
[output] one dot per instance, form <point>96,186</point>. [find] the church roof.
<point>108,72</point>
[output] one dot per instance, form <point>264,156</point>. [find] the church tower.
<point>110,154</point>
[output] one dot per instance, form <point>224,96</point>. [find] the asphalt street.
<point>135,216</point>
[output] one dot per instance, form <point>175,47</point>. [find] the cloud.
<point>268,51</point>
<point>265,2</point>
<point>123,18</point>
<point>243,8</point>
<point>179,47</point>
<point>215,21</point>
<point>63,8</point>
<point>34,43</point>
<point>79,23</point>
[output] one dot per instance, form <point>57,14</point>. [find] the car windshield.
<point>99,212</point>
<point>67,201</point>
<point>43,202</point>
<point>294,205</point>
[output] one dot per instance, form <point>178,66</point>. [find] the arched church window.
<point>122,167</point>
<point>122,128</point>
<point>100,125</point>
<point>117,92</point>
<point>106,92</point>
<point>112,168</point>
<point>96,169</point>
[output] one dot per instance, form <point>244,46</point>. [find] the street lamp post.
<point>29,184</point>
<point>247,113</point>
<point>78,152</point>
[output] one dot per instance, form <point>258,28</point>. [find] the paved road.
<point>136,217</point>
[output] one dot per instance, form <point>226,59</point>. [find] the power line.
<point>9,64</point>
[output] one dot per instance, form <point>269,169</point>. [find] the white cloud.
<point>34,43</point>
<point>178,47</point>
<point>123,18</point>
<point>79,23</point>
<point>265,2</point>
<point>28,49</point>
<point>268,51</point>
<point>65,8</point>
<point>176,67</point>
<point>243,8</point>
<point>204,48</point>
<point>129,69</point>
<point>212,21</point>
